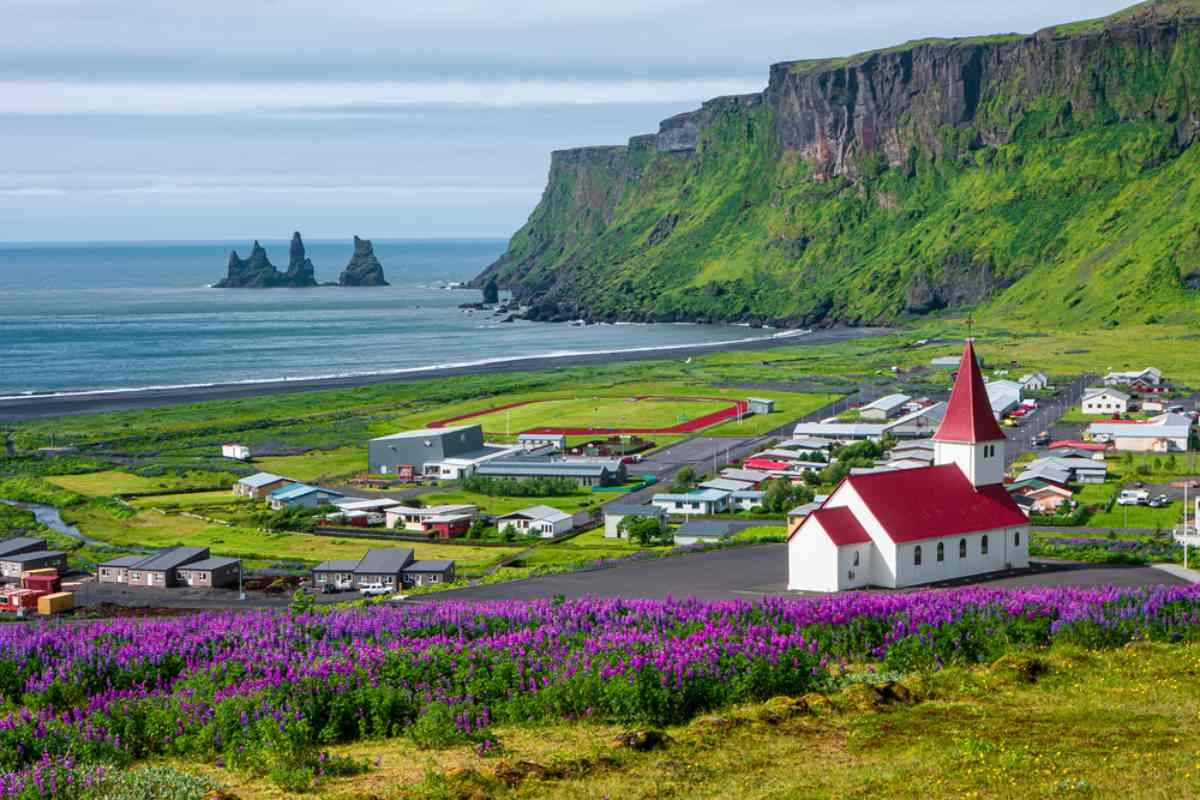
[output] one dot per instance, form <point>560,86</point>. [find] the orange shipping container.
<point>56,603</point>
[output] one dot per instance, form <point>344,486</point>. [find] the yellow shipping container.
<point>42,571</point>
<point>56,603</point>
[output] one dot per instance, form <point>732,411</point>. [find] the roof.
<point>171,559</point>
<point>840,525</point>
<point>390,560</point>
<point>727,485</point>
<point>969,415</point>
<point>631,510</point>
<point>538,437</point>
<point>855,430</point>
<point>1077,445</point>
<point>123,561</point>
<point>750,475</point>
<point>367,504</point>
<point>36,555</point>
<point>808,443</point>
<point>424,433</point>
<point>336,565</point>
<point>430,565</point>
<point>747,494</point>
<point>539,512</point>
<point>300,490</point>
<point>948,505</point>
<point>216,562</point>
<point>760,462</point>
<point>889,402</point>
<point>1171,426</point>
<point>763,400</point>
<point>260,479</point>
<point>21,543</point>
<point>704,496</point>
<point>705,527</point>
<point>1099,390</point>
<point>570,468</point>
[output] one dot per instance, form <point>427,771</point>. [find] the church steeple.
<point>969,435</point>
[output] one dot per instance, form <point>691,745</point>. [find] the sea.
<point>84,317</point>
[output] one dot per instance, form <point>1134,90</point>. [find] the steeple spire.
<point>969,418</point>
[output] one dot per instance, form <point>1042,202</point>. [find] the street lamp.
<point>241,588</point>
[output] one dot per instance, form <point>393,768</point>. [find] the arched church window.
<point>941,551</point>
<point>962,548</point>
<point>983,545</point>
<point>917,556</point>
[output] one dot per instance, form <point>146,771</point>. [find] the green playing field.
<point>597,412</point>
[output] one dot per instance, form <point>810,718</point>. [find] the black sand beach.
<point>43,406</point>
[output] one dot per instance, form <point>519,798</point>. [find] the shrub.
<point>154,783</point>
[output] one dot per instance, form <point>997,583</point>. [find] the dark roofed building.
<point>161,569</point>
<point>590,472</point>
<point>13,564</point>
<point>614,513</point>
<point>21,544</point>
<point>428,572</point>
<point>703,531</point>
<point>379,565</point>
<point>213,572</point>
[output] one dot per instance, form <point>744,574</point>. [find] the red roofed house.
<point>907,527</point>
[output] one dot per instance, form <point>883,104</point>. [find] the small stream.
<point>49,516</point>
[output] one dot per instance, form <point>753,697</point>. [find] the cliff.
<point>257,271</point>
<point>1046,177</point>
<point>363,268</point>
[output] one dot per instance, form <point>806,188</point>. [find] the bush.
<point>526,487</point>
<point>154,783</point>
<point>35,490</point>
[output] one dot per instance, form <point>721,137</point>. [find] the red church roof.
<point>969,415</point>
<point>931,502</point>
<point>841,526</point>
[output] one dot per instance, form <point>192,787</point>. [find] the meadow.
<point>285,703</point>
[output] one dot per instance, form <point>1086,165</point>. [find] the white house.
<point>1105,401</point>
<point>747,499</point>
<point>702,502</point>
<point>913,526</point>
<point>300,494</point>
<point>542,521</point>
<point>886,407</point>
<point>1034,382</point>
<point>703,531</point>
<point>410,518</point>
<point>1166,433</point>
<point>236,451</point>
<point>1149,375</point>
<point>614,513</point>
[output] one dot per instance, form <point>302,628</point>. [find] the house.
<point>1148,376</point>
<point>807,444</point>
<point>919,423</point>
<point>447,453</point>
<point>1049,499</point>
<point>703,531</point>
<point>240,452</point>
<point>542,521</point>
<point>759,405</point>
<point>913,526</point>
<point>1003,397</point>
<point>1075,470</point>
<point>447,526</point>
<point>116,570</point>
<point>1034,382</point>
<point>302,495</point>
<point>358,511</point>
<point>753,477</point>
<point>886,407</point>
<point>1141,386</point>
<point>21,544</point>
<point>14,564</point>
<point>337,572</point>
<point>383,566</point>
<point>536,441</point>
<point>214,572</point>
<point>416,519</point>
<point>762,463</point>
<point>615,512</point>
<point>746,499</point>
<point>161,569</point>
<point>1156,406</point>
<point>428,572</point>
<point>702,502</point>
<point>1104,401</point>
<point>259,485</point>
<point>1045,471</point>
<point>1091,447</point>
<point>584,471</point>
<point>1166,433</point>
<point>727,485</point>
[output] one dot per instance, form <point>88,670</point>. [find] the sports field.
<point>602,414</point>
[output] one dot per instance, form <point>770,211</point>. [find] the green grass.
<point>759,531</point>
<point>597,411</point>
<point>499,506</point>
<point>342,462</point>
<point>114,482</point>
<point>188,501</point>
<point>1164,518</point>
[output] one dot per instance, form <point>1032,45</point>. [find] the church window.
<point>856,558</point>
<point>1017,539</point>
<point>917,556</point>
<point>962,548</point>
<point>983,545</point>
<point>941,551</point>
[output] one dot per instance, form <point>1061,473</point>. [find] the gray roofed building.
<point>385,560</point>
<point>123,561</point>
<point>703,531</point>
<point>214,562</point>
<point>727,485</point>
<point>615,512</point>
<point>212,572</point>
<point>590,472</point>
<point>412,450</point>
<point>14,564</point>
<point>428,572</point>
<point>260,479</point>
<point>173,558</point>
<point>21,544</point>
<point>889,405</point>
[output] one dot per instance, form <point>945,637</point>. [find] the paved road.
<point>748,572</point>
<point>1020,439</point>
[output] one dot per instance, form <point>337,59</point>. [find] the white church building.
<point>908,527</point>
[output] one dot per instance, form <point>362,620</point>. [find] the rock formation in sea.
<point>491,292</point>
<point>364,268</point>
<point>257,271</point>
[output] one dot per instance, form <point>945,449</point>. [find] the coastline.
<point>42,406</point>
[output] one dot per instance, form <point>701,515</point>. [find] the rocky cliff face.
<point>364,268</point>
<point>931,175</point>
<point>257,271</point>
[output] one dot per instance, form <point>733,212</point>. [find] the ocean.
<point>105,316</point>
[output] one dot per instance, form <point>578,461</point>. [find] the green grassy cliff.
<point>1047,178</point>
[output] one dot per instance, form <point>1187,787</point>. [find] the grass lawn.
<point>788,405</point>
<point>111,482</point>
<point>1093,724</point>
<point>597,411</point>
<point>760,530</point>
<point>588,546</point>
<point>1137,517</point>
<point>506,505</point>
<point>188,500</point>
<point>317,463</point>
<point>151,529</point>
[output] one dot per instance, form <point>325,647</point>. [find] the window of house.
<point>1017,538</point>
<point>962,548</point>
<point>941,551</point>
<point>917,556</point>
<point>983,545</point>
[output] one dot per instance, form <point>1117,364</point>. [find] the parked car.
<point>1042,439</point>
<point>1159,501</point>
<point>1130,497</point>
<point>374,589</point>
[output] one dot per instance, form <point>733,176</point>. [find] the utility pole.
<point>241,587</point>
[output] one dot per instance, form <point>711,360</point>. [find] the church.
<point>913,526</point>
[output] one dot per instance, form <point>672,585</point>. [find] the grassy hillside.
<point>1063,198</point>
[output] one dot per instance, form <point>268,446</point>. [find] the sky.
<point>241,119</point>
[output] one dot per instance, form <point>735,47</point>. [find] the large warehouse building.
<point>448,453</point>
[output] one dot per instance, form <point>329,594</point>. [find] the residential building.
<point>1063,470</point>
<point>1104,401</point>
<point>116,570</point>
<point>1148,375</point>
<point>919,424</point>
<point>423,519</point>
<point>746,499</point>
<point>428,572</point>
<point>542,521</point>
<point>260,484</point>
<point>615,512</point>
<point>1166,433</point>
<point>702,502</point>
<point>916,424</point>
<point>727,485</point>
<point>391,567</point>
<point>944,362</point>
<point>161,570</point>
<point>21,544</point>
<point>807,444</point>
<point>754,477</point>
<point>703,531</point>
<point>585,472</point>
<point>759,405</point>
<point>1034,382</point>
<point>907,527</point>
<point>886,407</point>
<point>1049,499</point>
<point>302,495</point>
<point>215,572</point>
<point>13,564</point>
<point>1003,397</point>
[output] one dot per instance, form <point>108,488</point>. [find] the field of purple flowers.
<point>1106,551</point>
<point>266,691</point>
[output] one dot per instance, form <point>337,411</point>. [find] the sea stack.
<point>364,268</point>
<point>491,291</point>
<point>257,271</point>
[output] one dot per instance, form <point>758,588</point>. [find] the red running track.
<point>691,426</point>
